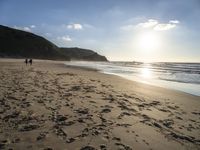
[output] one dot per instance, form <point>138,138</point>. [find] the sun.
<point>148,41</point>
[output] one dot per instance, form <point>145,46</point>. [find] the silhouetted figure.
<point>26,61</point>
<point>30,61</point>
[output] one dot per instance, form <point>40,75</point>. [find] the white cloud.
<point>163,27</point>
<point>174,21</point>
<point>33,26</point>
<point>148,24</point>
<point>152,24</point>
<point>27,29</point>
<point>23,28</point>
<point>75,26</point>
<point>64,38</point>
<point>16,27</point>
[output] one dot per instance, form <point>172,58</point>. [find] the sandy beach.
<point>50,106</point>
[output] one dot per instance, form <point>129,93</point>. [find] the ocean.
<point>183,77</point>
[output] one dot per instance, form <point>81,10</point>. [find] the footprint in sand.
<point>123,146</point>
<point>59,132</point>
<point>70,140</point>
<point>168,123</point>
<point>92,102</point>
<point>105,110</point>
<point>124,114</point>
<point>28,127</point>
<point>3,143</point>
<point>75,88</point>
<point>88,148</point>
<point>82,111</point>
<point>116,139</point>
<point>48,148</point>
<point>103,147</point>
<point>41,136</point>
<point>16,140</point>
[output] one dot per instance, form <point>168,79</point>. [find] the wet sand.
<point>50,106</point>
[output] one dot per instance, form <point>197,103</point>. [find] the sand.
<point>51,106</point>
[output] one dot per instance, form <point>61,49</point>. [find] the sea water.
<point>178,76</point>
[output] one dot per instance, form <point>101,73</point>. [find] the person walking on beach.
<point>30,61</point>
<point>26,61</point>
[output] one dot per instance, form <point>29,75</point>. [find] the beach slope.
<point>51,106</point>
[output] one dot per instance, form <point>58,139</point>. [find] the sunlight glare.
<point>148,41</point>
<point>146,73</point>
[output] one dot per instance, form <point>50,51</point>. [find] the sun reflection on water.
<point>146,73</point>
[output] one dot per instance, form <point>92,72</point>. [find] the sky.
<point>122,30</point>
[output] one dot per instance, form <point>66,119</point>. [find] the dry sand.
<point>50,106</point>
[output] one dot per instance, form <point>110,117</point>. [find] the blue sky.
<point>143,30</point>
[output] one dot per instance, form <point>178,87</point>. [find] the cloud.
<point>26,28</point>
<point>163,27</point>
<point>75,26</point>
<point>23,28</point>
<point>33,26</point>
<point>64,38</point>
<point>78,26</point>
<point>148,24</point>
<point>174,21</point>
<point>152,24</point>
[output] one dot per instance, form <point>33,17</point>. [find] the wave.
<point>185,76</point>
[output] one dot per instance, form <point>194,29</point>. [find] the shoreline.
<point>149,84</point>
<point>139,76</point>
<point>49,105</point>
<point>95,70</point>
